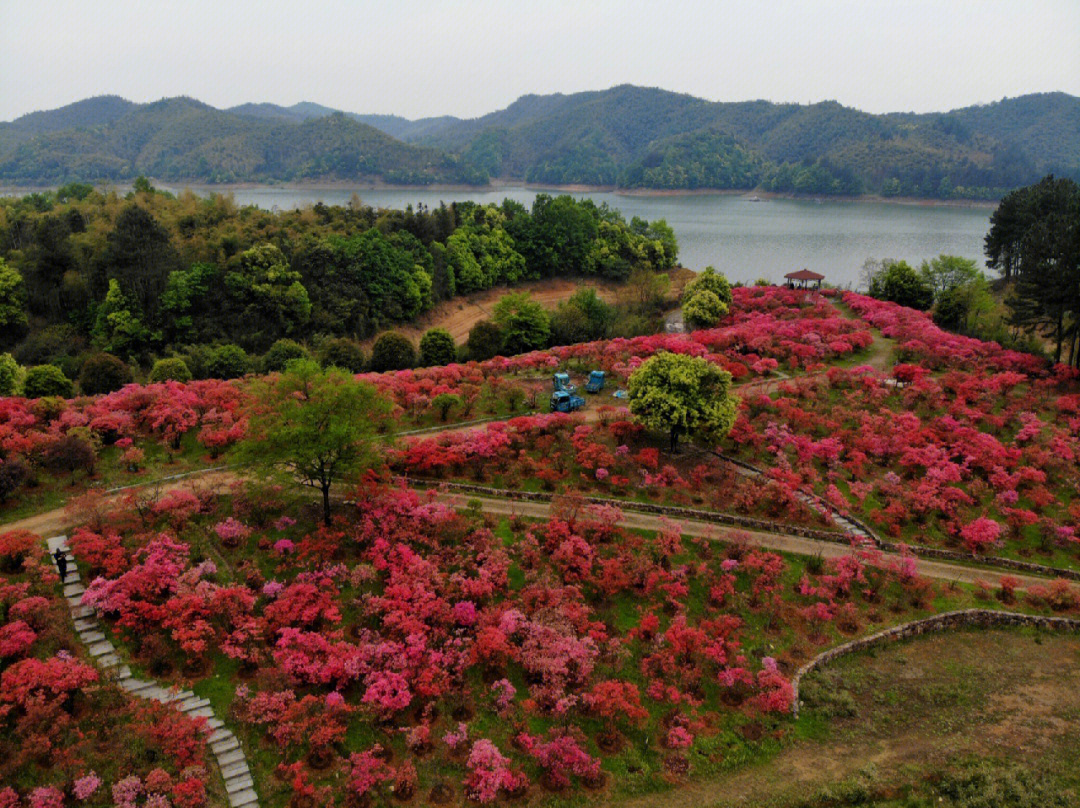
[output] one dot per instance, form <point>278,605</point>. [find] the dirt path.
<point>940,570</point>
<point>60,520</point>
<point>460,314</point>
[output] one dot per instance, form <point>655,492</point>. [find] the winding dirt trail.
<point>60,520</point>
<point>799,545</point>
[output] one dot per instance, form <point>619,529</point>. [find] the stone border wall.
<point>966,618</point>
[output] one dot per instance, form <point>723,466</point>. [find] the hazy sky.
<point>466,58</point>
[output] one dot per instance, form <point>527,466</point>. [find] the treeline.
<point>150,275</point>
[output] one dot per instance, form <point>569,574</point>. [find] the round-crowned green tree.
<point>46,380</point>
<point>682,395</point>
<point>900,283</point>
<point>526,325</point>
<point>709,280</point>
<point>392,351</point>
<point>103,373</point>
<point>281,353</point>
<point>485,340</point>
<point>228,362</point>
<point>342,353</point>
<point>172,369</point>
<point>703,309</point>
<point>437,348</point>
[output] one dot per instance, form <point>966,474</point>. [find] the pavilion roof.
<point>804,275</point>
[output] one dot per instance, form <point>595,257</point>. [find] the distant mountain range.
<point>629,137</point>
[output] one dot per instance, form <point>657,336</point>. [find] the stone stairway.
<point>224,745</point>
<point>863,536</point>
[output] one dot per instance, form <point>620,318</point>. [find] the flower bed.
<point>976,460</point>
<point>412,649</point>
<point>67,734</point>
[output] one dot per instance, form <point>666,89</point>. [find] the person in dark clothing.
<point>61,563</point>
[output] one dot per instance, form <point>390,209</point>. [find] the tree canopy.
<point>315,426</point>
<point>683,395</point>
<point>1034,241</point>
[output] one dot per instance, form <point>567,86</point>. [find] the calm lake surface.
<point>745,240</point>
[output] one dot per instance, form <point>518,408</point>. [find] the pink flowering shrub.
<point>490,773</point>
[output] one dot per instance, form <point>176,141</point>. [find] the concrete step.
<point>234,769</point>
<point>239,783</point>
<point>109,660</point>
<point>71,590</point>
<point>202,712</point>
<point>91,636</point>
<point>230,757</point>
<point>56,541</point>
<point>187,705</point>
<point>137,686</point>
<point>218,735</point>
<point>243,799</point>
<point>225,745</point>
<point>100,648</point>
<point>80,612</point>
<point>86,624</point>
<point>215,723</point>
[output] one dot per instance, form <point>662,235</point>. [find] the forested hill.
<point>631,137</point>
<point>641,137</point>
<point>180,139</point>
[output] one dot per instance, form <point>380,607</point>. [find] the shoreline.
<point>496,186</point>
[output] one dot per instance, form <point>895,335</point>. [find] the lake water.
<point>745,240</point>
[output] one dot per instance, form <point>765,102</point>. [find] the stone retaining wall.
<point>966,618</point>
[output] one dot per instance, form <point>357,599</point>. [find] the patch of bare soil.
<point>922,705</point>
<point>460,314</point>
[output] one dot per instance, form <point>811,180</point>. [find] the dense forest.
<point>150,275</point>
<point>626,136</point>
<point>108,139</point>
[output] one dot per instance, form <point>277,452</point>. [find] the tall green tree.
<point>1034,239</point>
<point>273,301</point>
<point>899,282</point>
<point>12,303</point>
<point>139,254</point>
<point>947,272</point>
<point>683,395</point>
<point>314,426</point>
<point>117,328</point>
<point>525,324</point>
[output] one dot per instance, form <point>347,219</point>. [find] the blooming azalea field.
<point>68,735</point>
<point>420,650</point>
<point>415,649</point>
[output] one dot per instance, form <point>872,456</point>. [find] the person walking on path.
<point>61,563</point>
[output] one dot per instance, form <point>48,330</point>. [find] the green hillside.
<point>181,139</point>
<point>623,136</point>
<point>630,137</point>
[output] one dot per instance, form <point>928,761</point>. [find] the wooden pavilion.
<point>803,278</point>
